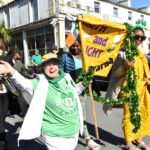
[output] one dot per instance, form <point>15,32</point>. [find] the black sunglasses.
<point>137,37</point>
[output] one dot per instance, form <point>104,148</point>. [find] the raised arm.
<point>20,81</point>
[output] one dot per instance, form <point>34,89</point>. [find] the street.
<point>110,131</point>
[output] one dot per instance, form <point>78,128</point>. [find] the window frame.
<point>115,11</point>
<point>130,17</point>
<point>97,7</point>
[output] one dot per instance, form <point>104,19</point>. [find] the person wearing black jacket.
<point>3,111</point>
<point>17,104</point>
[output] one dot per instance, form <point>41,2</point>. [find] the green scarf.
<point>55,81</point>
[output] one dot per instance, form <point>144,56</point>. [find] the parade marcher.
<point>36,60</point>
<point>117,81</point>
<point>3,109</point>
<point>19,66</point>
<point>3,113</point>
<point>55,111</point>
<point>13,105</point>
<point>71,63</point>
<point>60,52</point>
<point>16,107</point>
<point>54,49</point>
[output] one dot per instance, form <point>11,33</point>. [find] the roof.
<point>5,2</point>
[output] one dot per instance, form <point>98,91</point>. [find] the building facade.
<point>40,24</point>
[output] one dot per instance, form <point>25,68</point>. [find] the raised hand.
<point>129,63</point>
<point>6,68</point>
<point>147,81</point>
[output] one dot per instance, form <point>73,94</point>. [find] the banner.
<point>101,41</point>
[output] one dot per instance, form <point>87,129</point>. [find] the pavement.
<point>109,128</point>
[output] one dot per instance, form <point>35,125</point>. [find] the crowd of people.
<point>61,114</point>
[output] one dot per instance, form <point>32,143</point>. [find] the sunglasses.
<point>137,37</point>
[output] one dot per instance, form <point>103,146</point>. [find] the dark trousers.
<point>3,110</point>
<point>35,69</point>
<point>13,105</point>
<point>3,114</point>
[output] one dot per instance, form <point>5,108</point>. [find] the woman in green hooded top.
<point>55,111</point>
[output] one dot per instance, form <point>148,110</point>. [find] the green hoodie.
<point>61,117</point>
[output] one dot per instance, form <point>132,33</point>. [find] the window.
<point>40,42</point>
<point>14,14</point>
<point>129,15</point>
<point>39,31</point>
<point>41,39</point>
<point>31,39</point>
<point>68,25</point>
<point>23,12</point>
<point>142,17</point>
<point>34,9</point>
<point>49,40</point>
<point>115,11</point>
<point>149,43</point>
<point>97,7</point>
<point>17,41</point>
<point>31,42</point>
<point>7,18</point>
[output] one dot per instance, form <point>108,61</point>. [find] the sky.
<point>140,3</point>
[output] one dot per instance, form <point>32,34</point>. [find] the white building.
<point>39,24</point>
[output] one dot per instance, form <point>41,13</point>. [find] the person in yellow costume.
<point>117,81</point>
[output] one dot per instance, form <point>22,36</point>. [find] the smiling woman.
<point>121,86</point>
<point>50,65</point>
<point>55,111</point>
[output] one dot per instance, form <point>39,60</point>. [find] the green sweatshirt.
<point>61,117</point>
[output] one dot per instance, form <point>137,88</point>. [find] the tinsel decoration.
<point>140,23</point>
<point>132,99</point>
<point>131,51</point>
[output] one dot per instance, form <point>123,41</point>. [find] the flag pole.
<point>93,110</point>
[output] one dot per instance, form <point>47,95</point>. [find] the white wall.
<point>89,3</point>
<point>107,12</point>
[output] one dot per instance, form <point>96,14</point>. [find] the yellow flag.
<point>101,41</point>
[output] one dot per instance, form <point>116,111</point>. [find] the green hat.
<point>140,24</point>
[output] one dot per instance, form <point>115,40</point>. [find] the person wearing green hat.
<point>55,111</point>
<point>141,24</point>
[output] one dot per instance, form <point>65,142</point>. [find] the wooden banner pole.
<point>93,110</point>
